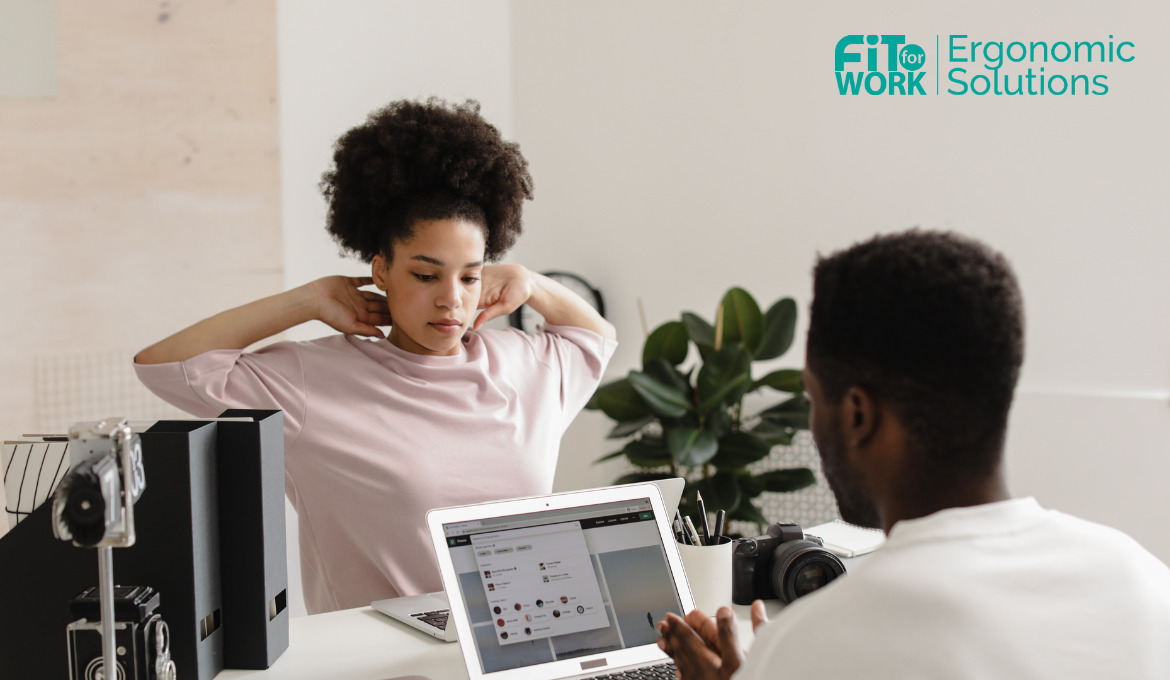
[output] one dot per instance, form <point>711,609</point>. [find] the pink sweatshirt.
<point>375,436</point>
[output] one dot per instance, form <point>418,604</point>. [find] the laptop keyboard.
<point>437,618</point>
<point>665,671</point>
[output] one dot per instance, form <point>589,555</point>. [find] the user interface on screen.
<point>559,584</point>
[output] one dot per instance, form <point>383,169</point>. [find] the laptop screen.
<point>558,584</point>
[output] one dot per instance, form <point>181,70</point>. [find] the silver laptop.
<point>563,586</point>
<point>429,612</point>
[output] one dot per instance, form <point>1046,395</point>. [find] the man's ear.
<point>379,268</point>
<point>860,416</point>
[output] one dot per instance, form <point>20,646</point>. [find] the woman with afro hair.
<point>439,411</point>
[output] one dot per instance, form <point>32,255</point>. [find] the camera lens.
<point>808,578</point>
<point>85,511</point>
<point>800,567</point>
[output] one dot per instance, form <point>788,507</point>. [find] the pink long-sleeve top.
<point>375,436</point>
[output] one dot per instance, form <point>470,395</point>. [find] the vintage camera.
<point>120,634</point>
<point>784,564</point>
<point>94,504</point>
<point>142,639</point>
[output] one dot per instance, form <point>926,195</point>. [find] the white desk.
<point>361,644</point>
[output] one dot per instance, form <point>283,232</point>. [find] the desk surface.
<point>361,644</point>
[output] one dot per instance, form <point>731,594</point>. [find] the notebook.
<point>429,612</point>
<point>847,540</point>
<point>563,586</point>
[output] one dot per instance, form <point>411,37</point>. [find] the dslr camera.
<point>783,564</point>
<point>142,639</point>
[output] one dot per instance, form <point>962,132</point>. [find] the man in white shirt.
<point>914,348</point>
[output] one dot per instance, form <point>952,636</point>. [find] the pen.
<point>720,516</point>
<point>679,534</point>
<point>703,519</point>
<point>694,535</point>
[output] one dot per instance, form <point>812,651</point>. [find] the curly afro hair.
<point>414,161</point>
<point>934,323</point>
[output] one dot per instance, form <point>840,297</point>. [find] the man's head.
<point>928,326</point>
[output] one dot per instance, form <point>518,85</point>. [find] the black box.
<point>252,538</point>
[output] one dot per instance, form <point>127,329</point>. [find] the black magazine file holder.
<point>252,530</point>
<point>177,552</point>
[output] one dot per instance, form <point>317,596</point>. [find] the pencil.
<point>720,517</point>
<point>703,519</point>
<point>691,531</point>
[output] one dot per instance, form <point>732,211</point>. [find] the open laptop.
<point>563,586</point>
<point>429,612</point>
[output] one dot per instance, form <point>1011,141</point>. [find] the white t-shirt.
<point>375,436</point>
<point>1003,591</point>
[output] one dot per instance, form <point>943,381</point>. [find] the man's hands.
<point>342,304</point>
<point>705,648</point>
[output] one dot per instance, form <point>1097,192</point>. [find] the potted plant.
<point>681,419</point>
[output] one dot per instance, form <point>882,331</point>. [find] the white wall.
<point>681,148</point>
<point>137,195</point>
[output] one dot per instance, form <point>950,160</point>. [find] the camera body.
<point>142,639</point>
<point>782,564</point>
<point>94,504</point>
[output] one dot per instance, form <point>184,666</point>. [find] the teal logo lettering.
<point>898,73</point>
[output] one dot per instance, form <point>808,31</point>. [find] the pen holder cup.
<point>708,570</point>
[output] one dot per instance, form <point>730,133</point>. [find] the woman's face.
<point>432,285</point>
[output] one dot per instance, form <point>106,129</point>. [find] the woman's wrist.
<point>307,301</point>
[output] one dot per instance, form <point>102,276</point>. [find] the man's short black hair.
<point>933,323</point>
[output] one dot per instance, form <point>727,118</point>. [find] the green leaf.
<point>742,321</point>
<point>701,332</point>
<point>784,380</point>
<point>665,400</point>
<point>665,373</point>
<point>720,492</point>
<point>775,435</point>
<point>779,330</point>
<point>791,413</point>
<point>669,342</point>
<point>740,449</point>
<point>691,446</point>
<point>726,396</point>
<point>718,422</point>
<point>636,477</point>
<point>749,485</point>
<point>629,427</point>
<point>791,479</point>
<point>746,511</point>
<point>647,452</point>
<point>729,366</point>
<point>610,456</point>
<point>620,401</point>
